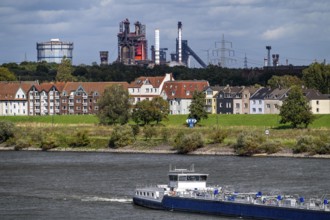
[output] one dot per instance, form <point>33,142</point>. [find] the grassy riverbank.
<point>63,131</point>
<point>271,121</point>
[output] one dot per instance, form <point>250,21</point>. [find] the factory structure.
<point>54,51</point>
<point>132,47</point>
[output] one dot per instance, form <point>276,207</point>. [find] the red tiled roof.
<point>155,81</point>
<point>183,89</point>
<point>91,87</point>
<point>8,90</point>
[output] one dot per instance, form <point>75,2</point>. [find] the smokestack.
<point>268,57</point>
<point>104,57</point>
<point>180,41</point>
<point>157,61</point>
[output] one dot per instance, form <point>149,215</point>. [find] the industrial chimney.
<point>157,61</point>
<point>104,57</point>
<point>180,41</point>
<point>268,56</point>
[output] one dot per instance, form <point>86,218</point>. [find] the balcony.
<point>85,104</point>
<point>37,97</point>
<point>37,104</point>
<point>71,104</point>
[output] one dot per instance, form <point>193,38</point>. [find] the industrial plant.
<point>132,46</point>
<point>54,51</point>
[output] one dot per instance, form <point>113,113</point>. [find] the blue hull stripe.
<point>239,209</point>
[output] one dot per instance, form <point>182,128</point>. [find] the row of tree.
<point>317,75</point>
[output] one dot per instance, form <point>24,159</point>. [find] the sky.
<point>297,30</point>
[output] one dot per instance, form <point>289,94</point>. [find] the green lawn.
<point>271,121</point>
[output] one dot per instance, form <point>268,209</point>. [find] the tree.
<point>143,112</point>
<point>161,109</point>
<point>6,75</point>
<point>114,106</point>
<point>295,109</point>
<point>285,81</point>
<point>64,71</point>
<point>148,111</point>
<point>317,76</point>
<point>197,106</point>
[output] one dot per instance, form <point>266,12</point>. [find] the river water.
<point>75,185</point>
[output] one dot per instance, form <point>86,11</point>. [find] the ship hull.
<point>153,204</point>
<point>240,209</point>
<point>213,207</point>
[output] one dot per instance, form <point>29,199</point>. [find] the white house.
<point>13,98</point>
<point>179,94</point>
<point>147,87</point>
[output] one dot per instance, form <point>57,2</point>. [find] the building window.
<point>237,105</point>
<point>63,100</point>
<point>259,109</point>
<point>268,105</point>
<point>78,100</point>
<point>254,101</point>
<point>317,102</point>
<point>317,110</point>
<point>246,105</point>
<point>259,101</point>
<point>254,110</point>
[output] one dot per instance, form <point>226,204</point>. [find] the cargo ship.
<point>187,191</point>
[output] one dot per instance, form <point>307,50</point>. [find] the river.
<point>76,185</point>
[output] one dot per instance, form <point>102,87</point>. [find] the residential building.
<point>147,87</point>
<point>179,94</point>
<point>274,100</point>
<point>210,99</point>
<point>13,97</point>
<point>257,101</point>
<point>319,103</point>
<point>67,98</point>
<point>225,100</point>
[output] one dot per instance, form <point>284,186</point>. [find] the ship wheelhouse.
<point>183,179</point>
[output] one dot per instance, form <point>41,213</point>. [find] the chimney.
<point>157,61</point>
<point>180,41</point>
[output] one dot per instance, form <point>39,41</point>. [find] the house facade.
<point>179,94</point>
<point>146,88</point>
<point>67,98</point>
<point>210,99</point>
<point>274,100</point>
<point>13,98</point>
<point>319,103</point>
<point>257,101</point>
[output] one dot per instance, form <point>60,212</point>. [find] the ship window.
<point>182,178</point>
<point>173,178</point>
<point>203,178</point>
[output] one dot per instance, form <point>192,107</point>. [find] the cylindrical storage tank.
<point>54,51</point>
<point>104,57</point>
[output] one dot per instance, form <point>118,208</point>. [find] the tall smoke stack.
<point>180,41</point>
<point>157,60</point>
<point>268,56</point>
<point>104,57</point>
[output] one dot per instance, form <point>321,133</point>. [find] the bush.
<point>136,130</point>
<point>271,147</point>
<point>248,144</point>
<point>185,143</point>
<point>217,136</point>
<point>7,130</point>
<point>80,139</point>
<point>304,144</point>
<point>49,142</point>
<point>22,143</point>
<point>165,134</point>
<point>122,135</point>
<point>149,132</point>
